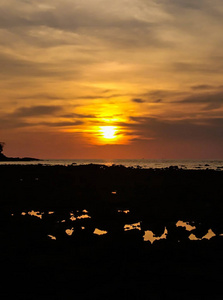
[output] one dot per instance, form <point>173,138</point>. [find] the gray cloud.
<point>60,124</point>
<point>203,67</point>
<point>12,66</point>
<point>187,129</point>
<point>212,100</point>
<point>79,116</point>
<point>40,96</point>
<point>11,123</point>
<point>18,119</point>
<point>113,23</point>
<point>36,111</point>
<point>138,100</point>
<point>202,87</point>
<point>189,4</point>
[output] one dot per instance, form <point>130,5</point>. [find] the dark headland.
<point>78,232</point>
<point>5,158</point>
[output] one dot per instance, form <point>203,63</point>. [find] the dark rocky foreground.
<point>40,259</point>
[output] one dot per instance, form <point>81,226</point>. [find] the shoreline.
<point>134,164</point>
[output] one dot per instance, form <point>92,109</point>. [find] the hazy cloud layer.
<point>157,63</point>
<point>211,100</point>
<point>37,116</point>
<point>36,111</point>
<point>138,100</point>
<point>178,130</point>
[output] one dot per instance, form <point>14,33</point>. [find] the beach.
<point>99,232</point>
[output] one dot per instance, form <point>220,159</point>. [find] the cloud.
<point>177,130</point>
<point>197,67</point>
<point>79,116</point>
<point>138,100</point>
<point>40,96</point>
<point>11,123</point>
<point>60,124</point>
<point>16,67</point>
<point>36,111</point>
<point>202,87</point>
<point>182,4</point>
<point>27,116</point>
<point>212,100</point>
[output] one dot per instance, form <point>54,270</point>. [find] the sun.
<point>108,132</point>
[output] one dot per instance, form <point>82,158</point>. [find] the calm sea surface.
<point>143,163</point>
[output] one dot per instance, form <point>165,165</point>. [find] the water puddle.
<point>192,236</point>
<point>100,232</point>
<point>36,214</point>
<point>69,231</point>
<point>126,211</point>
<point>132,226</point>
<point>83,216</point>
<point>149,236</point>
<point>186,225</point>
<point>52,237</point>
<point>207,236</point>
<point>72,217</point>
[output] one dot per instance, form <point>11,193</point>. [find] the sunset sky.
<point>112,79</point>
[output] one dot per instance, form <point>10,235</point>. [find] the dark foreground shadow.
<point>96,232</point>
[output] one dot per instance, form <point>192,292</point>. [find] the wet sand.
<point>96,232</point>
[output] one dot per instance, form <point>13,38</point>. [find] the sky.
<point>112,79</point>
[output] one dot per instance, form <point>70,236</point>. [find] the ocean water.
<point>135,163</point>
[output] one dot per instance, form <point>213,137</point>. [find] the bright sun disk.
<point>108,132</point>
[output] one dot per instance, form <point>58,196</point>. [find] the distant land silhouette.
<point>5,158</point>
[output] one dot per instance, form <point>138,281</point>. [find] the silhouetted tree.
<point>1,146</point>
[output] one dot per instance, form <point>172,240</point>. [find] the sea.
<point>133,163</point>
